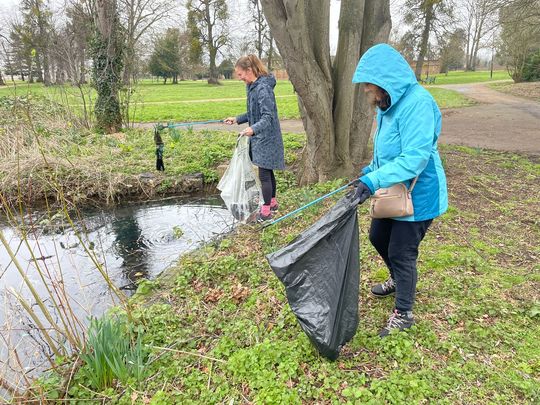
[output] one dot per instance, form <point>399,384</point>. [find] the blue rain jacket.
<point>405,143</point>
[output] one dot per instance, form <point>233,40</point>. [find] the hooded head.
<point>268,80</point>
<point>383,66</point>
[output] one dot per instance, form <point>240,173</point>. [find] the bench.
<point>428,80</point>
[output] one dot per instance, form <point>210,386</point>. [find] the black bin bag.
<point>320,271</point>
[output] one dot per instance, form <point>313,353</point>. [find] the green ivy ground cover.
<point>220,330</point>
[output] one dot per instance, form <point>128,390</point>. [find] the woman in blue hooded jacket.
<point>404,148</point>
<point>266,143</point>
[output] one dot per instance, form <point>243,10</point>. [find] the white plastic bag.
<point>240,187</point>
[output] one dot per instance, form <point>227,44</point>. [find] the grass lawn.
<point>193,100</point>
<point>449,98</point>
<point>462,77</point>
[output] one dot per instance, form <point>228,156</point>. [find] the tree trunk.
<point>108,58</point>
<point>469,46</point>
<point>82,78</point>
<point>471,63</point>
<point>259,25</point>
<point>2,82</point>
<point>44,53</point>
<point>477,44</point>
<point>46,71</point>
<point>336,118</point>
<point>428,18</point>
<point>129,60</point>
<point>270,57</point>
<point>129,54</point>
<point>39,68</point>
<point>8,60</point>
<point>59,77</point>
<point>212,50</point>
<point>213,79</point>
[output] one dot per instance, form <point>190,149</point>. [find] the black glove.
<point>362,192</point>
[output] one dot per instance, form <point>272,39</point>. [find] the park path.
<point>207,100</point>
<point>498,121</point>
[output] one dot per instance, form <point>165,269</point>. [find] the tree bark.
<point>82,78</point>
<point>335,115</point>
<point>270,58</point>
<point>428,19</point>
<point>39,67</point>
<point>376,30</point>
<point>46,69</point>
<point>107,66</point>
<point>129,60</point>
<point>44,52</point>
<point>212,50</point>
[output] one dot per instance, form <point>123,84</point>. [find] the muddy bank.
<point>34,193</point>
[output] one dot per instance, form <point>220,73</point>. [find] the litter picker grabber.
<point>175,134</point>
<point>296,211</point>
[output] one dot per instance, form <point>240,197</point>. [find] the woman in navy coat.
<point>266,143</point>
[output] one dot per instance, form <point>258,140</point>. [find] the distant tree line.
<point>113,43</point>
<point>455,31</point>
<point>54,48</point>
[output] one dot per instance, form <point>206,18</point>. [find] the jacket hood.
<point>383,66</point>
<point>269,80</point>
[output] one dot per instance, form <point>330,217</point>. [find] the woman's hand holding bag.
<point>362,192</point>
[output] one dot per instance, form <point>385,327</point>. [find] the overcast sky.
<point>9,8</point>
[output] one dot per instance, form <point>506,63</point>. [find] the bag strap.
<point>413,184</point>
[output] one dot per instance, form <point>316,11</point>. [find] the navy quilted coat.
<point>266,144</point>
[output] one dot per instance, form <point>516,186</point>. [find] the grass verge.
<point>449,98</point>
<point>39,143</point>
<point>463,77</point>
<point>528,90</point>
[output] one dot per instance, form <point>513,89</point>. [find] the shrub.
<point>531,70</point>
<point>111,353</point>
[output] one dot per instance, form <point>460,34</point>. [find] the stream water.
<point>131,242</point>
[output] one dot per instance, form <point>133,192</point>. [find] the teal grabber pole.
<point>296,211</point>
<point>187,124</point>
<point>159,142</point>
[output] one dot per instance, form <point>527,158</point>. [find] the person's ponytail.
<point>254,63</point>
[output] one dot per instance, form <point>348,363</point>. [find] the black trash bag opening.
<point>320,270</point>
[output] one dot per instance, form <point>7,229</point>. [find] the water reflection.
<point>131,247</point>
<point>131,242</point>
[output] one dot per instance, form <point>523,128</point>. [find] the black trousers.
<point>268,184</point>
<point>397,242</point>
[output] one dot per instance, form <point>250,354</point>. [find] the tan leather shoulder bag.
<point>392,202</point>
